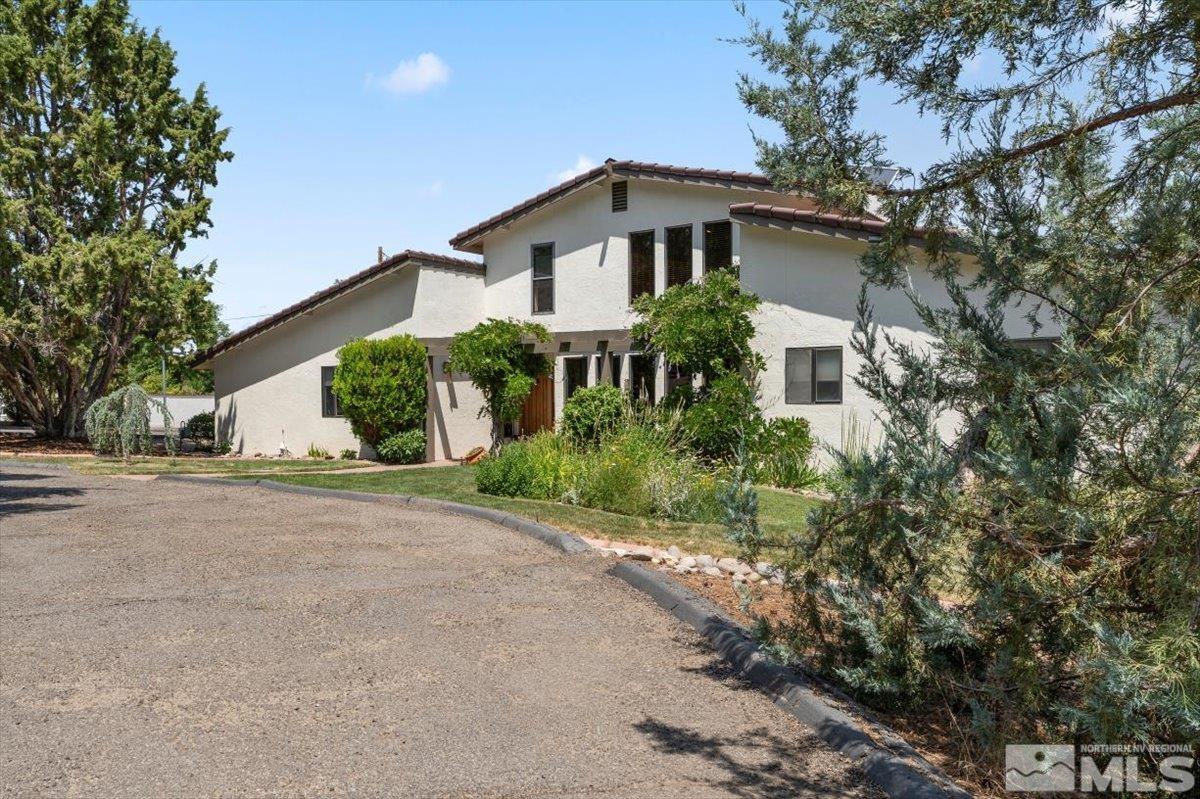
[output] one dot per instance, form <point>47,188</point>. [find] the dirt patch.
<point>32,445</point>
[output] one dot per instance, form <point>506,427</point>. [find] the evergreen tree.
<point>104,173</point>
<point>1040,570</point>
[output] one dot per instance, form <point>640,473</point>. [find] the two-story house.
<point>573,258</point>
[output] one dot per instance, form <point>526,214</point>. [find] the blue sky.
<point>356,125</point>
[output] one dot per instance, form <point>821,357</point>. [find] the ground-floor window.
<point>614,361</point>
<point>329,401</point>
<point>641,378</point>
<point>812,375</point>
<point>574,376</point>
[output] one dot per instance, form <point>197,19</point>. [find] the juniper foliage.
<point>1038,569</point>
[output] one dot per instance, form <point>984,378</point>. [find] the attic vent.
<point>620,194</point>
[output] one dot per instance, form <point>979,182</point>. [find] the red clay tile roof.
<point>337,289</point>
<point>869,225</point>
<point>623,169</point>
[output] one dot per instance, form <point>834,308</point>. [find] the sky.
<point>360,125</point>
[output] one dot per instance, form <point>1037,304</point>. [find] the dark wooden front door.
<point>538,413</point>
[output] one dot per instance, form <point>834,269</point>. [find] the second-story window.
<point>641,264</point>
<point>718,245</point>
<point>542,258</point>
<point>679,255</point>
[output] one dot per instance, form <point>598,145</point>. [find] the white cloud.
<point>582,164</point>
<point>415,76</point>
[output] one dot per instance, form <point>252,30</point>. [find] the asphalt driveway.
<point>160,639</point>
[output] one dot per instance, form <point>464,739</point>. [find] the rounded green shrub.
<point>405,447</point>
<point>725,415</point>
<point>590,413</point>
<point>202,426</point>
<point>380,384</point>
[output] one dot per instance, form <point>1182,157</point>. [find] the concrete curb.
<point>564,541</point>
<point>906,776</point>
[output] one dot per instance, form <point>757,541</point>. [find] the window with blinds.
<point>641,264</point>
<point>812,375</point>
<point>542,267</point>
<point>679,255</point>
<point>718,245</point>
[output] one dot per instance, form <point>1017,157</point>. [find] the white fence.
<point>181,407</point>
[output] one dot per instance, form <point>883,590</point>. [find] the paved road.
<point>163,639</point>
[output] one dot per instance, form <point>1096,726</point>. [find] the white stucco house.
<point>572,258</point>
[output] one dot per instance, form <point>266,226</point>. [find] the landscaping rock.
<point>673,551</point>
<point>712,571</point>
<point>704,561</point>
<point>753,577</point>
<point>688,562</point>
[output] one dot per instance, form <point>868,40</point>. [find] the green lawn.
<point>197,465</point>
<point>781,511</point>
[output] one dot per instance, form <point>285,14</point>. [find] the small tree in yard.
<point>119,424</point>
<point>380,386</point>
<point>1039,572</point>
<point>705,328</point>
<point>502,366</point>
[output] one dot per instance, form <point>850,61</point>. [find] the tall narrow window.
<point>641,378</point>
<point>574,375</point>
<point>679,255</point>
<point>718,245</point>
<point>812,375</point>
<point>615,363</point>
<point>641,264</point>
<point>329,401</point>
<point>542,258</point>
<point>620,196</point>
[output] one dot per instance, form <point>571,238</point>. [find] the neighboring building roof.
<point>339,288</point>
<point>823,222</point>
<point>612,168</point>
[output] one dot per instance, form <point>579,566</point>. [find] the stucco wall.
<point>591,250</point>
<point>268,389</point>
<point>809,288</point>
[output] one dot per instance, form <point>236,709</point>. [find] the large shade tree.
<point>105,169</point>
<point>1039,571</point>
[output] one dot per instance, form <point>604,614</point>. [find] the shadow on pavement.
<point>22,499</point>
<point>758,764</point>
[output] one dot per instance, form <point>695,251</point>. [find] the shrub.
<point>590,413</point>
<point>406,447</point>
<point>319,453</point>
<point>641,469</point>
<point>725,415</point>
<point>780,454</point>
<point>348,455</point>
<point>202,426</point>
<point>504,370</point>
<point>119,423</point>
<point>508,473</point>
<point>380,384</point>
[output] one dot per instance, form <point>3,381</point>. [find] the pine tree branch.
<point>1187,97</point>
